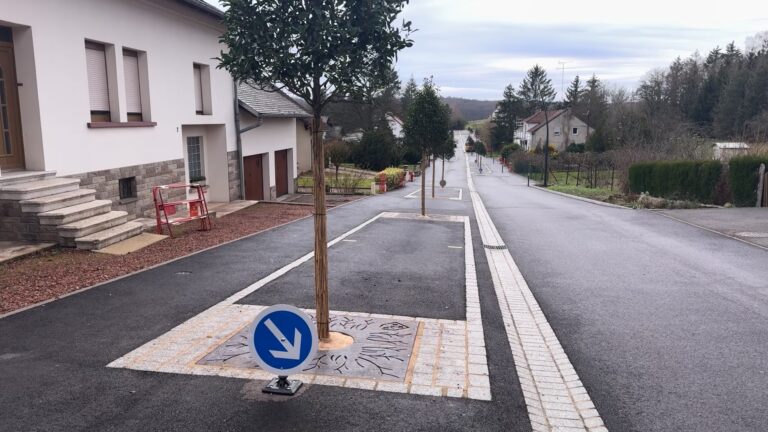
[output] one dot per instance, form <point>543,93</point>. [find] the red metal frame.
<point>198,208</point>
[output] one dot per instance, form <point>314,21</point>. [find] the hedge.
<point>688,180</point>
<point>395,177</point>
<point>743,172</point>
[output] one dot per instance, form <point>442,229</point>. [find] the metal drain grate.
<point>495,247</point>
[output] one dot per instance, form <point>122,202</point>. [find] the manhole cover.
<point>750,234</point>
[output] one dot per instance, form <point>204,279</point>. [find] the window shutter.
<point>198,90</point>
<point>132,85</point>
<point>98,87</point>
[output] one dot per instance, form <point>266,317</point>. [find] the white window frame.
<point>575,131</point>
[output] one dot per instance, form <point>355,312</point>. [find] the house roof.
<point>204,7</point>
<point>538,117</point>
<point>268,103</point>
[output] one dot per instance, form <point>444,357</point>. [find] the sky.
<point>473,49</point>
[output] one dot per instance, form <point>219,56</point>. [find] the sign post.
<point>284,340</point>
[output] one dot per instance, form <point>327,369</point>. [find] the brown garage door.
<point>281,172</point>
<point>254,177</point>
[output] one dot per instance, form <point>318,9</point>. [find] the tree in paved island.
<point>537,90</point>
<point>317,50</point>
<point>426,127</point>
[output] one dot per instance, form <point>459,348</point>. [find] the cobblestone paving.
<point>554,394</point>
<point>448,357</point>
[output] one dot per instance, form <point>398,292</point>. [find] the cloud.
<point>474,49</point>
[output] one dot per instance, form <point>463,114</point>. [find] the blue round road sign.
<point>283,338</point>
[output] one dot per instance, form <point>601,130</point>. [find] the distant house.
<point>395,125</point>
<point>565,128</point>
<point>276,142</point>
<point>724,151</point>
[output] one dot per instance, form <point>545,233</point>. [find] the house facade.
<point>103,100</point>
<point>565,128</point>
<point>276,142</point>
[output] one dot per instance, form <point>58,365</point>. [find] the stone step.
<point>38,188</point>
<point>109,236</point>
<point>74,213</point>
<point>57,201</point>
<point>8,178</point>
<point>90,225</point>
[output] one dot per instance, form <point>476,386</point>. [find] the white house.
<point>106,99</point>
<point>276,138</point>
<point>564,128</point>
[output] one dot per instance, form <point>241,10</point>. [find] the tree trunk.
<point>423,183</point>
<point>546,149</point>
<point>321,242</point>
<point>443,175</point>
<point>434,169</point>
<point>337,176</point>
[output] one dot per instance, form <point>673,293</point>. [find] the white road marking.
<point>554,394</point>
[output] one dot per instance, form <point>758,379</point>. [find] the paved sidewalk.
<point>748,224</point>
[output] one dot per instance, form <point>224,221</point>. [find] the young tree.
<point>338,153</point>
<point>426,127</point>
<point>317,50</point>
<point>537,89</point>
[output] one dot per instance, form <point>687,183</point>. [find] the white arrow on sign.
<point>292,350</point>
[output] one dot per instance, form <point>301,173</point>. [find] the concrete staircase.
<point>73,215</point>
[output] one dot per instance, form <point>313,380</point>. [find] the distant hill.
<point>470,109</point>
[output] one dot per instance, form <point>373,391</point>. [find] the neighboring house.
<point>107,99</point>
<point>395,125</point>
<point>275,137</point>
<point>564,129</point>
<point>724,151</point>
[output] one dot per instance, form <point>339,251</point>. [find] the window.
<point>132,85</point>
<point>198,89</point>
<point>557,130</point>
<point>98,84</point>
<point>202,88</point>
<point>127,187</point>
<point>575,131</point>
<point>195,159</point>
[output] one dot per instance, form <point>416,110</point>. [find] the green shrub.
<point>743,177</point>
<point>682,180</point>
<point>508,149</point>
<point>395,177</point>
<point>576,148</point>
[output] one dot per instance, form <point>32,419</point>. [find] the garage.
<point>254,177</point>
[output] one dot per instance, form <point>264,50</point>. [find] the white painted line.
<point>285,269</point>
<point>350,241</point>
<point>545,373</point>
<point>455,247</point>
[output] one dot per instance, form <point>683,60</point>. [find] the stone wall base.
<point>106,184</point>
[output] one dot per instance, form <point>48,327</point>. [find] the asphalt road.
<point>53,374</point>
<point>665,323</point>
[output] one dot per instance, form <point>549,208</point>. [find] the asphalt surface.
<point>664,322</point>
<point>381,269</point>
<point>53,357</point>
